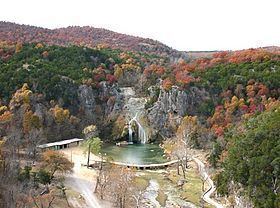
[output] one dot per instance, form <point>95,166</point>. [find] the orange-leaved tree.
<point>54,162</point>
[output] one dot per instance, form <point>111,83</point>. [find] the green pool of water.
<point>135,153</point>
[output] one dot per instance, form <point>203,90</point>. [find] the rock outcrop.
<point>166,113</point>
<point>87,101</point>
<point>97,105</point>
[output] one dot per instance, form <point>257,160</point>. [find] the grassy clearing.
<point>141,183</point>
<point>192,189</point>
<point>72,196</point>
<point>161,198</point>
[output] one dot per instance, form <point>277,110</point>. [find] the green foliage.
<point>93,144</point>
<point>215,154</point>
<point>226,76</point>
<point>222,181</point>
<point>24,174</point>
<point>43,176</point>
<point>56,76</point>
<point>206,108</point>
<point>253,159</point>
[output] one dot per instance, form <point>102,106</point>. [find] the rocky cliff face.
<point>105,107</point>
<point>87,101</point>
<point>110,108</point>
<point>166,113</point>
<point>99,106</point>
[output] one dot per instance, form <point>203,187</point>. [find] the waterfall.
<point>141,131</point>
<point>130,133</point>
<point>134,107</point>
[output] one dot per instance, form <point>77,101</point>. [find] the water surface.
<point>135,153</point>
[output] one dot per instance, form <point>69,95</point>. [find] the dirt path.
<point>206,177</point>
<point>82,179</point>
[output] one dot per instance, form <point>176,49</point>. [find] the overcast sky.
<point>181,24</point>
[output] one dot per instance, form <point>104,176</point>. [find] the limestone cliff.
<point>171,106</point>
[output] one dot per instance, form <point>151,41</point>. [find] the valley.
<point>156,127</point>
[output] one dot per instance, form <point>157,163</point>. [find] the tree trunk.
<point>88,156</point>
<point>97,183</point>
<point>101,165</point>
<point>186,162</point>
<point>183,169</point>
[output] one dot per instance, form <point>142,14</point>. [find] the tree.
<point>92,145</point>
<point>18,47</point>
<point>90,131</point>
<point>54,161</point>
<point>24,174</point>
<point>60,115</point>
<point>137,191</point>
<point>2,161</point>
<point>167,84</point>
<point>121,179</point>
<point>45,54</point>
<point>35,137</point>
<point>121,185</point>
<point>252,161</point>
<point>103,181</point>
<point>186,134</point>
<point>215,154</point>
<point>43,201</point>
<point>43,176</point>
<point>62,188</point>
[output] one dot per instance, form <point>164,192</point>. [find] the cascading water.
<point>134,108</point>
<point>130,132</point>
<point>141,131</point>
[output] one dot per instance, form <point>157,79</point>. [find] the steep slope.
<point>88,36</point>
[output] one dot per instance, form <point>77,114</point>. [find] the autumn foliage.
<point>60,115</point>
<point>255,99</point>
<point>167,84</point>
<point>81,36</point>
<point>54,161</point>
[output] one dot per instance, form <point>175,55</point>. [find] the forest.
<point>51,91</point>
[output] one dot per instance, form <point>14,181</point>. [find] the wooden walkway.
<point>141,167</point>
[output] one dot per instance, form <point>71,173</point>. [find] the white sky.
<point>181,24</point>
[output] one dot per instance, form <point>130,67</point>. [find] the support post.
<point>88,156</point>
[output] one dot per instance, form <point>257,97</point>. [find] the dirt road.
<point>206,177</point>
<point>82,179</point>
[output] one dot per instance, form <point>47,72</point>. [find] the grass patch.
<point>192,190</point>
<point>141,183</point>
<point>161,198</point>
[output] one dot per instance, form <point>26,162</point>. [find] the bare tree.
<point>44,201</point>
<point>116,182</point>
<point>137,194</point>
<point>63,189</point>
<point>103,181</point>
<point>14,141</point>
<point>178,150</point>
<point>179,146</point>
<point>35,137</point>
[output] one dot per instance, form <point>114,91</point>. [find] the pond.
<point>160,189</point>
<point>135,153</point>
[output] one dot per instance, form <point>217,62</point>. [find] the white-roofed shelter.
<point>60,144</point>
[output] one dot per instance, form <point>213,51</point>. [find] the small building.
<point>60,144</point>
